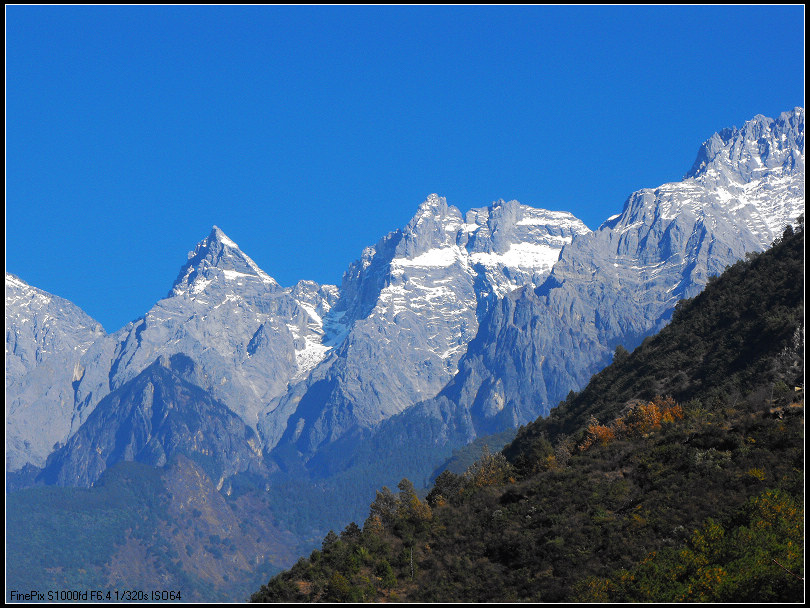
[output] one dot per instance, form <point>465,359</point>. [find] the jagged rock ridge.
<point>247,335</point>
<point>500,311</point>
<point>46,337</point>
<point>409,308</point>
<point>620,283</point>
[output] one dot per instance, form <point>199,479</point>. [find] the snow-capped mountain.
<point>409,307</point>
<point>491,316</point>
<point>46,337</point>
<point>620,283</point>
<point>247,335</point>
<point>755,171</point>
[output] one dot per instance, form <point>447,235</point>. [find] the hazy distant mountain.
<point>151,419</point>
<point>168,528</point>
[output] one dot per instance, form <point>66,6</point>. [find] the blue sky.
<point>307,133</point>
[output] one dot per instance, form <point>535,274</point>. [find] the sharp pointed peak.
<point>432,204</point>
<point>432,213</point>
<point>215,256</point>
<point>219,236</point>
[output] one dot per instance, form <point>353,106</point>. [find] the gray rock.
<point>621,282</point>
<point>248,336</point>
<point>409,308</point>
<point>46,337</point>
<point>486,320</point>
<point>151,418</point>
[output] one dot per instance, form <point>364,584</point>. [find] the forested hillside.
<point>141,529</point>
<point>675,475</point>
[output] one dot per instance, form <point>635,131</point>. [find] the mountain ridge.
<point>425,290</point>
<point>619,283</point>
<point>46,337</point>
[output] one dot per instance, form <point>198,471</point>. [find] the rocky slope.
<point>621,495</point>
<point>152,418</point>
<point>409,308</point>
<point>247,336</point>
<point>620,283</point>
<point>46,337</point>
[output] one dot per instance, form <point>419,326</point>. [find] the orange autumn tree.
<point>597,434</point>
<point>640,420</point>
<point>646,418</point>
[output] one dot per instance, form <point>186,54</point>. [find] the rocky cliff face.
<point>46,337</point>
<point>620,283</point>
<point>409,308</point>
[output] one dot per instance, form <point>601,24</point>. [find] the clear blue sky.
<point>307,133</point>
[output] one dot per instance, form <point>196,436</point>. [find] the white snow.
<point>522,255</point>
<point>233,275</point>
<point>294,330</point>
<point>724,195</point>
<point>312,313</point>
<point>543,217</point>
<point>199,285</point>
<point>440,257</point>
<point>253,266</point>
<point>228,242</point>
<point>15,282</point>
<point>307,358</point>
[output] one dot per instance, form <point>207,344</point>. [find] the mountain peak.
<point>219,236</point>
<point>434,199</point>
<point>217,256</point>
<point>434,225</point>
<point>216,240</point>
<point>433,206</point>
<point>796,113</point>
<point>762,145</point>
